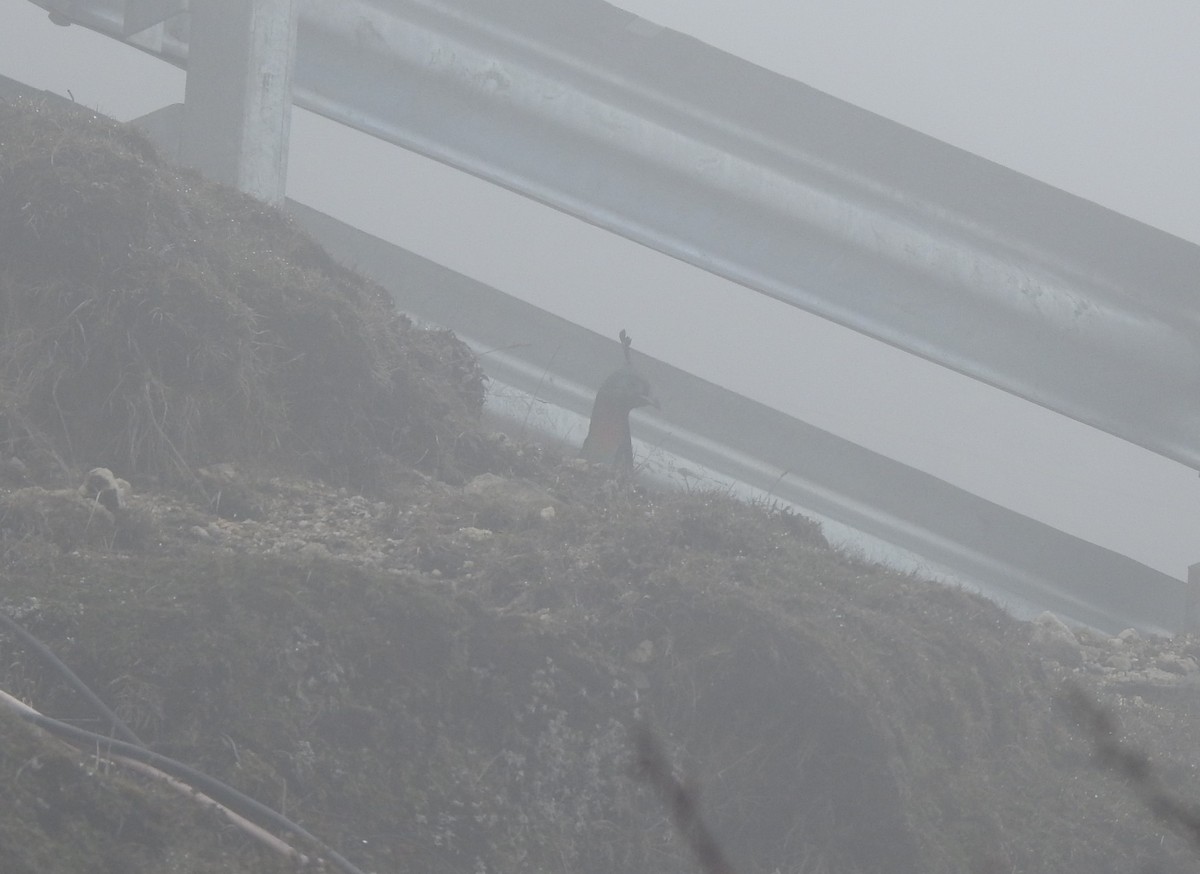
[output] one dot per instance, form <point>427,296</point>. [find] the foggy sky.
<point>1096,98</point>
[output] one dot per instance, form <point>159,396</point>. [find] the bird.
<point>608,439</point>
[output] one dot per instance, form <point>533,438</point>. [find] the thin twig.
<point>652,766</point>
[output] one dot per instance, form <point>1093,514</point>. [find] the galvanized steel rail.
<point>772,184</point>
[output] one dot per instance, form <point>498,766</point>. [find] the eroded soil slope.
<point>331,587</point>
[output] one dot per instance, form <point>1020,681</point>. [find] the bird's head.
<point>626,389</point>
<point>608,439</point>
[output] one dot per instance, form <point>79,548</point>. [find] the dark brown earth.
<point>331,585</point>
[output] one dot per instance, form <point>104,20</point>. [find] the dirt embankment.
<point>330,587</point>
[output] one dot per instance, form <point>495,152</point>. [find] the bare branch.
<point>1132,764</point>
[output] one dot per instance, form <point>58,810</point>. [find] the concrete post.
<point>238,100</point>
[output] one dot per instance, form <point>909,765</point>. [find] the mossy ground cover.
<point>463,703</point>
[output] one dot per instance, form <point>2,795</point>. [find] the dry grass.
<point>151,323</point>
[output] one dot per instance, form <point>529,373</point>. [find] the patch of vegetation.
<point>151,323</point>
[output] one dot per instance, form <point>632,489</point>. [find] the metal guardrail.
<point>553,365</point>
<point>652,135</point>
<point>544,371</point>
<point>772,184</point>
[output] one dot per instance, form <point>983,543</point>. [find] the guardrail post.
<point>238,99</point>
<point>1191,618</point>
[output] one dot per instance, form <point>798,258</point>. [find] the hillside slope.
<point>332,588</point>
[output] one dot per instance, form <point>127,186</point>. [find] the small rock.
<point>1056,640</point>
<point>1129,635</point>
<point>1119,662</point>
<point>1090,638</point>
<point>201,533</point>
<point>476,535</point>
<point>219,474</point>
<point>643,653</point>
<point>1049,625</point>
<point>1159,677</point>
<point>107,490</point>
<point>1176,664</point>
<point>314,550</point>
<point>547,513</point>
